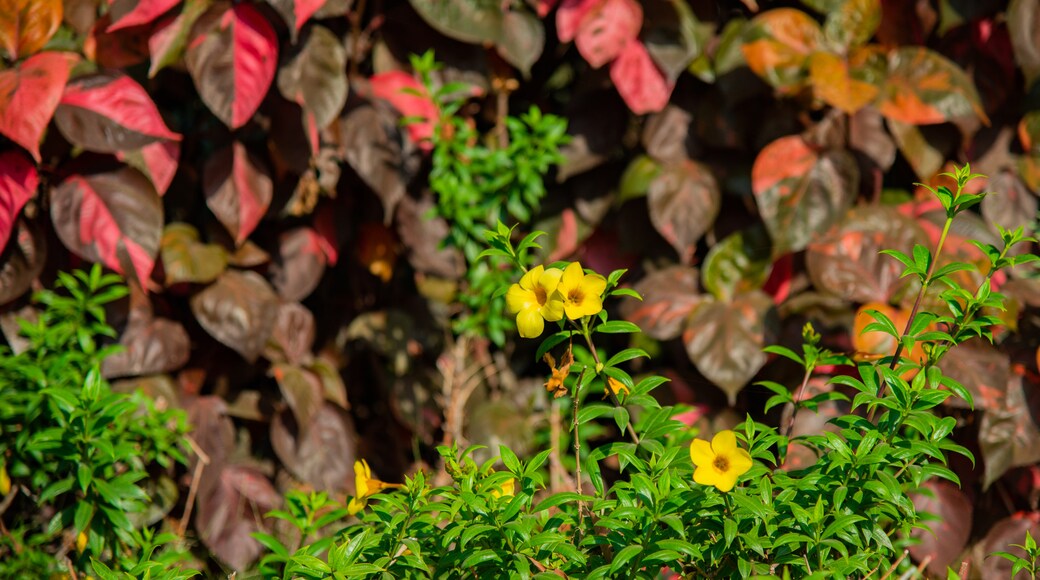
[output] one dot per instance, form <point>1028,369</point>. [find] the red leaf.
<point>638,80</point>
<point>18,182</point>
<point>325,225</point>
<point>304,9</point>
<point>232,61</point>
<point>144,12</point>
<point>238,190</point>
<point>157,160</point>
<point>29,94</point>
<point>115,218</point>
<point>606,30</point>
<point>570,16</point>
<point>110,112</point>
<point>390,86</point>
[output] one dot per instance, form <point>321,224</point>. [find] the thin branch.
<point>196,477</point>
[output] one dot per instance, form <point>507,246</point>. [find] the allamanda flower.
<point>535,300</point>
<point>720,462</point>
<point>364,486</point>
<point>582,293</point>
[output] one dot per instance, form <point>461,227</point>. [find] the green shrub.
<point>82,460</point>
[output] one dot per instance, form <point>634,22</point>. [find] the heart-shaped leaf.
<point>27,25</point>
<point>684,200</point>
<point>299,265</point>
<point>232,511</point>
<point>1023,19</point>
<point>606,29</point>
<point>239,310</point>
<point>777,45</point>
<point>22,260</point>
<point>922,87</point>
<point>302,391</point>
<point>314,75</point>
<point>801,191</point>
<point>378,152</point>
<point>739,263</point>
<point>847,260</point>
<point>185,259</point>
<point>114,218</point>
<point>522,40</point>
<point>473,21</point>
<point>293,335</point>
<point>127,13</point>
<point>18,183</point>
<point>232,60</point>
<point>322,455</point>
<point>725,339</point>
<point>158,161</point>
<point>29,94</point>
<point>296,13</point>
<point>408,97</point>
<point>1009,436</point>
<point>169,36</point>
<point>669,296</point>
<point>640,83</point>
<point>150,345</point>
<point>238,189</point>
<point>835,84</point>
<point>110,112</point>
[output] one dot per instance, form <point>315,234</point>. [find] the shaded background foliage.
<point>246,167</point>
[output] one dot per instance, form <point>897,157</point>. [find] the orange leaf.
<point>780,42</point>
<point>924,88</point>
<point>833,84</point>
<point>27,25</point>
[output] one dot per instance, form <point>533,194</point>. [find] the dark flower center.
<point>539,294</point>
<point>721,463</point>
<point>575,296</point>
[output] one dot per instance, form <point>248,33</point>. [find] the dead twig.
<point>196,477</point>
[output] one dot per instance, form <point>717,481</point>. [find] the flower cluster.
<point>549,294</point>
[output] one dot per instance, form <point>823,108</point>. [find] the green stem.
<point>587,333</point>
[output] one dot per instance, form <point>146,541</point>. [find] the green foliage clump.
<point>82,455</point>
<point>848,514</point>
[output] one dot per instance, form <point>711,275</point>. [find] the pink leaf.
<point>232,62</point>
<point>638,80</point>
<point>570,16</point>
<point>238,190</point>
<point>115,218</point>
<point>157,160</point>
<point>607,29</point>
<point>144,12</point>
<point>391,86</point>
<point>304,9</point>
<point>29,93</point>
<point>117,107</point>
<point>18,182</point>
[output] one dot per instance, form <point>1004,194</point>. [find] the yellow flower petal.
<point>700,453</point>
<point>740,462</point>
<point>590,305</point>
<point>554,307</point>
<point>572,276</point>
<point>724,482</point>
<point>355,505</point>
<point>594,285</point>
<point>530,323</point>
<point>706,475</point>
<point>530,279</point>
<point>518,299</point>
<point>362,473</point>
<point>724,442</point>
<point>550,279</point>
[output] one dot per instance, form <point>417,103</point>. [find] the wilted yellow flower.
<point>5,481</point>
<point>720,462</point>
<point>582,293</point>
<point>535,300</point>
<point>505,490</point>
<point>81,541</point>
<point>364,486</point>
<point>616,386</point>
<point>555,383</point>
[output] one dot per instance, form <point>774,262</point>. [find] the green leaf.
<point>617,327</point>
<point>626,355</point>
<point>624,557</point>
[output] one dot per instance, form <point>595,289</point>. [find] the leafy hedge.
<point>296,192</point>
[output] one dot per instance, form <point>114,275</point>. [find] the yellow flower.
<point>505,490</point>
<point>5,481</point>
<point>534,300</point>
<point>582,293</point>
<point>364,486</point>
<point>81,542</point>
<point>720,462</point>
